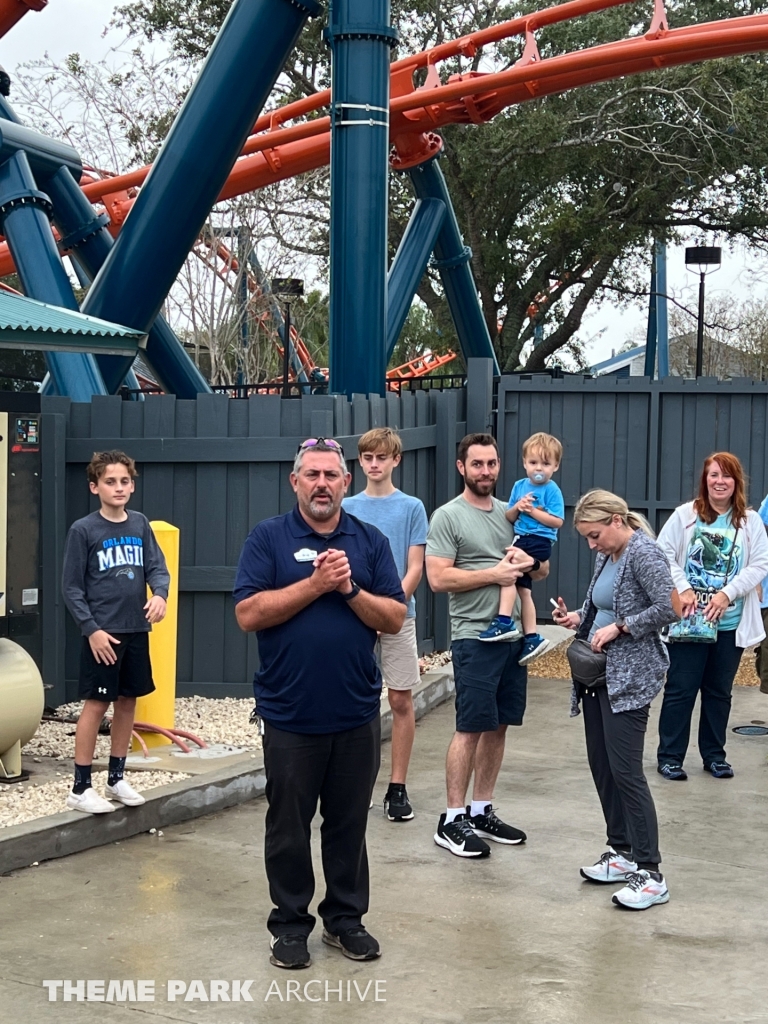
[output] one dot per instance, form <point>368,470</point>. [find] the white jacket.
<point>674,540</point>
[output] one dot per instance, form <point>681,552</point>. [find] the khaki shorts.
<point>399,657</point>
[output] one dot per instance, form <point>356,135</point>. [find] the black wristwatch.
<point>353,592</point>
<point>621,626</point>
<point>536,565</point>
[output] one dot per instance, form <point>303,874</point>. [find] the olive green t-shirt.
<point>474,539</point>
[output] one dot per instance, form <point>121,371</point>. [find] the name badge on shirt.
<point>305,555</point>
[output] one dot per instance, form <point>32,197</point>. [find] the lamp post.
<point>286,289</point>
<point>702,260</point>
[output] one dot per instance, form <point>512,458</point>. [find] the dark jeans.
<point>615,753</point>
<point>709,668</point>
<point>761,655</point>
<point>338,769</point>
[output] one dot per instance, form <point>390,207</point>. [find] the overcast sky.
<point>69,26</point>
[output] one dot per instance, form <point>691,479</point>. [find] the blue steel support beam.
<point>409,264</point>
<point>85,233</point>
<point>452,261</point>
<point>191,168</point>
<point>24,220</point>
<point>652,332</point>
<point>662,323</point>
<point>360,38</point>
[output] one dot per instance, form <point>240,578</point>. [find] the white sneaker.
<point>89,802</point>
<point>612,867</point>
<point>641,891</point>
<point>124,793</point>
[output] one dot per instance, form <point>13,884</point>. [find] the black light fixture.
<point>287,289</point>
<point>702,260</point>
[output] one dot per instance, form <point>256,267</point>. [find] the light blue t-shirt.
<point>602,595</point>
<point>715,556</point>
<point>547,497</point>
<point>763,513</point>
<point>403,521</point>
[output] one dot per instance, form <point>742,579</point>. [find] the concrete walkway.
<point>516,938</point>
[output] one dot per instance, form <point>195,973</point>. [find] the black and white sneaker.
<point>289,951</point>
<point>489,825</point>
<point>396,805</point>
<point>459,837</point>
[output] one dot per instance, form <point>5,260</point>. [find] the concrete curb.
<point>58,835</point>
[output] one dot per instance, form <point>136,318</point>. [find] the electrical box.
<point>20,498</point>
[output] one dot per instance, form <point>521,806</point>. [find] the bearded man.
<point>316,585</point>
<point>469,556</point>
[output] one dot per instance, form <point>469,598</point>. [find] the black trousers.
<point>338,770</point>
<point>711,669</point>
<point>615,752</point>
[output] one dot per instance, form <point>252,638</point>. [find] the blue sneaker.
<point>719,769</point>
<point>500,631</point>
<point>532,648</point>
<point>673,772</point>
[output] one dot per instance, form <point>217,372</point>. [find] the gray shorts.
<point>399,657</point>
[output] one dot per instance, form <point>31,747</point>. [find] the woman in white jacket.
<point>718,554</point>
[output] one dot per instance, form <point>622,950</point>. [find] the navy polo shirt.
<point>318,673</point>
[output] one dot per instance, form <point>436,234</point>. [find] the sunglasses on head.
<point>320,442</point>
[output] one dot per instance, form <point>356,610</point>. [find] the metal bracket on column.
<point>338,116</point>
<point>452,261</point>
<point>380,33</point>
<point>85,231</point>
<point>26,198</point>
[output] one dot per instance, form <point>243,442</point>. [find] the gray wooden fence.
<point>643,440</point>
<point>215,467</point>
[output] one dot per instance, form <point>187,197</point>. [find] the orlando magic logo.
<point>126,572</point>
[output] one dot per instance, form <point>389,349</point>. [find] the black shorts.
<point>130,676</point>
<point>490,685</point>
<point>536,547</point>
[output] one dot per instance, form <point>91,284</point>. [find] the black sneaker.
<point>289,951</point>
<point>459,837</point>
<point>720,769</point>
<point>355,943</point>
<point>492,827</point>
<point>673,772</point>
<point>396,806</point>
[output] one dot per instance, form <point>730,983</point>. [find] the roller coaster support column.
<point>201,148</point>
<point>24,220</point>
<point>360,38</point>
<point>85,233</point>
<point>452,260</point>
<point>409,264</point>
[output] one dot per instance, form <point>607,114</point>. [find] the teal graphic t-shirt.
<point>715,556</point>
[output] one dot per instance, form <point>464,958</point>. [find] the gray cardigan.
<point>636,662</point>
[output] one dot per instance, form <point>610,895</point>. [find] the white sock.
<point>453,812</point>
<point>478,807</point>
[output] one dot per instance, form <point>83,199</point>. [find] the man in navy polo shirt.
<point>316,585</point>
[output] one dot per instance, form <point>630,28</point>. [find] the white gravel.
<point>214,720</point>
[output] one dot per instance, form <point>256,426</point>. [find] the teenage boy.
<point>403,521</point>
<point>110,557</point>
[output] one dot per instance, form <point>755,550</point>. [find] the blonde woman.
<point>630,598</point>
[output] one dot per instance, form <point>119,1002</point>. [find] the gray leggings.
<point>615,753</point>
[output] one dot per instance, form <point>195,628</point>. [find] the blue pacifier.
<point>538,478</point>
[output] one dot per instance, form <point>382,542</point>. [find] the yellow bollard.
<point>159,708</point>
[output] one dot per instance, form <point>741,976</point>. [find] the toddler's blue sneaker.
<point>500,631</point>
<point>532,648</point>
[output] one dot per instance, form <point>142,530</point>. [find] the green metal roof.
<point>29,324</point>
